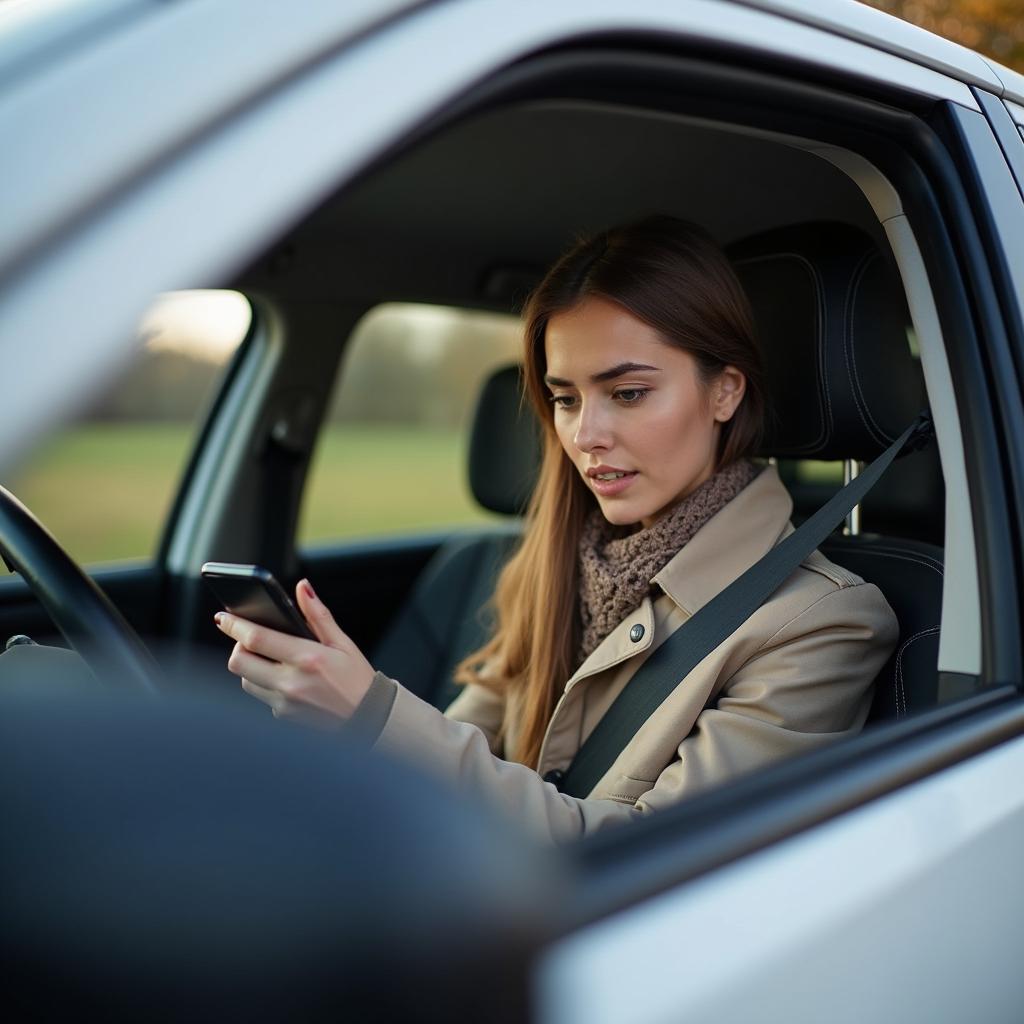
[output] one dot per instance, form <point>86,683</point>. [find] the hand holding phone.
<point>274,668</point>
<point>252,592</point>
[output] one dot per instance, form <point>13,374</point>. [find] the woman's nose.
<point>591,429</point>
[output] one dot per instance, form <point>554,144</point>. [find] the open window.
<point>610,153</point>
<point>470,212</point>
<point>465,213</point>
<point>326,173</point>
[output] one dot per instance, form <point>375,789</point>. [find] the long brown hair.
<point>672,276</point>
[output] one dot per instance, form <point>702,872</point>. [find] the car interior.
<point>845,383</point>
<point>155,842</point>
<point>811,254</point>
<point>467,213</point>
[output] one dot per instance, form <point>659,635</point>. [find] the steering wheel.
<point>77,607</point>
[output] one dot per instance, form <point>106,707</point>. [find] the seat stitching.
<point>898,552</point>
<point>823,348</point>
<point>900,691</point>
<point>924,561</point>
<point>887,438</point>
<point>849,353</point>
<point>847,327</point>
<point>825,430</point>
<point>899,665</point>
<point>894,549</point>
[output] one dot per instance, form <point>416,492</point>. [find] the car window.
<point>104,482</point>
<point>392,454</point>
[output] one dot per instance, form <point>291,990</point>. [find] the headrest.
<point>504,447</point>
<point>832,321</point>
<point>841,378</point>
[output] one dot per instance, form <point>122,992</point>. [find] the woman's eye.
<point>563,401</point>
<point>630,396</point>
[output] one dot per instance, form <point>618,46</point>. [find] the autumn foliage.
<point>992,27</point>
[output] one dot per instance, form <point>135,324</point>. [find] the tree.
<point>992,27</point>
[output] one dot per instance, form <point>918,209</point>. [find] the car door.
<point>890,856</point>
<point>856,859</point>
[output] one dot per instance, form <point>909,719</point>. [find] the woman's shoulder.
<point>839,577</point>
<point>820,589</point>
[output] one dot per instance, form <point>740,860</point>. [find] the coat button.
<point>636,634</point>
<point>554,776</point>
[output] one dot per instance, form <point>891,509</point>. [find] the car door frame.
<point>848,793</point>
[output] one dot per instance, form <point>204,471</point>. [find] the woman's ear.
<point>728,393</point>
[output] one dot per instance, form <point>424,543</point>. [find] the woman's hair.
<point>672,276</point>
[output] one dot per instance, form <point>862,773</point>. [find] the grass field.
<point>104,490</point>
<point>376,480</point>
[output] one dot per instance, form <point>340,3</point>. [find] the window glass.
<point>810,471</point>
<point>104,483</point>
<point>392,455</point>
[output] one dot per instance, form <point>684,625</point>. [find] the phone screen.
<point>252,592</point>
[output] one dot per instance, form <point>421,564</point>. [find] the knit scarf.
<point>616,569</point>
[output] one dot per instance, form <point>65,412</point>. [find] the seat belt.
<point>673,661</point>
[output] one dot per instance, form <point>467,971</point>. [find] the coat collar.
<point>727,545</point>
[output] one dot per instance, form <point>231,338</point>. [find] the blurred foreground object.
<point>164,862</point>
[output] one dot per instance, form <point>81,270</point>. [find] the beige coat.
<point>796,675</point>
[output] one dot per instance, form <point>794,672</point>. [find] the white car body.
<point>123,118</point>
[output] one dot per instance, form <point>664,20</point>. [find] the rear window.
<point>392,455</point>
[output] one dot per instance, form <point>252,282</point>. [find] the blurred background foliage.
<point>993,27</point>
<point>391,456</point>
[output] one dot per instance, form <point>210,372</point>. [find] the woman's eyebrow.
<point>609,374</point>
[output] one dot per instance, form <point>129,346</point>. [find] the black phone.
<point>252,592</point>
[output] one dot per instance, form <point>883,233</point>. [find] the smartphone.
<point>252,592</point>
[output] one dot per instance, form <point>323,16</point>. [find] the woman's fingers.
<point>315,681</point>
<point>255,668</point>
<point>271,698</point>
<point>319,617</point>
<point>285,709</point>
<point>261,639</point>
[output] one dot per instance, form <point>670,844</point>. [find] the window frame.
<point>862,110</point>
<point>895,131</point>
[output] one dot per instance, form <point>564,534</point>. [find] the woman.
<point>641,363</point>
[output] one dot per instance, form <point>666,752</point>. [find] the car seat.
<point>446,615</point>
<point>843,382</point>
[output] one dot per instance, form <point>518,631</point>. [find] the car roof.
<point>35,31</point>
<point>886,32</point>
<point>97,97</point>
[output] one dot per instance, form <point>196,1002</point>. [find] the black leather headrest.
<point>832,319</point>
<point>504,448</point>
<point>842,381</point>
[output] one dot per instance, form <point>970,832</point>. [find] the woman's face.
<point>631,411</point>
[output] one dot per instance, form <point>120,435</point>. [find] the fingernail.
<point>219,618</point>
<point>310,592</point>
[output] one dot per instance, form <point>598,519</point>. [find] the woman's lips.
<point>609,488</point>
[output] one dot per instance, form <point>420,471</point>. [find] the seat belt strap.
<point>673,661</point>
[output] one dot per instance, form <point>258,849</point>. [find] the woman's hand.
<point>318,683</point>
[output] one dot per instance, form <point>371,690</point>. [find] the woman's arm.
<point>319,682</point>
<point>483,707</point>
<point>808,684</point>
<point>324,684</point>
